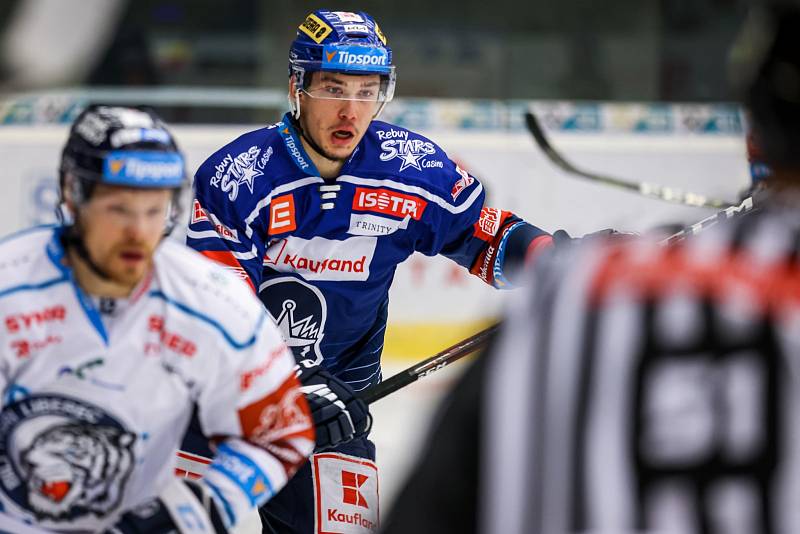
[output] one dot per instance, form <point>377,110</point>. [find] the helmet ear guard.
<point>296,77</point>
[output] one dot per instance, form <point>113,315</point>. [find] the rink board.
<point>434,302</point>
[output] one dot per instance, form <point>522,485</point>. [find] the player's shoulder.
<point>391,141</point>
<point>254,162</point>
<point>28,259</point>
<point>399,154</point>
<point>248,142</point>
<point>207,291</point>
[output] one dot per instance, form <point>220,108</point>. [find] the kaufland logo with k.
<point>347,497</point>
<point>323,259</point>
<point>351,482</point>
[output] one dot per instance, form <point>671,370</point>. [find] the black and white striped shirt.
<point>633,388</point>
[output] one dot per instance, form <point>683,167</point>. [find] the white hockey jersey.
<point>94,404</point>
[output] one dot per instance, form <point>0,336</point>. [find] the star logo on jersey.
<point>233,172</point>
<point>411,152</point>
<point>410,159</point>
<point>249,174</point>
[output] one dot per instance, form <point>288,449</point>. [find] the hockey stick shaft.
<point>728,213</point>
<point>429,365</point>
<point>668,194</point>
<point>194,466</point>
<point>479,340</point>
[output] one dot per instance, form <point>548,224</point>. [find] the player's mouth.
<point>132,256</point>
<point>342,136</point>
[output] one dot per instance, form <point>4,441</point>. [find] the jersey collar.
<point>295,148</point>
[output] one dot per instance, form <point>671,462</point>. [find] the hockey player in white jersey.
<point>112,336</point>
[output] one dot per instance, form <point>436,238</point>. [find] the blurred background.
<point>620,50</point>
<point>631,88</point>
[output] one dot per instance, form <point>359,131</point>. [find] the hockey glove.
<point>184,506</point>
<point>339,415</point>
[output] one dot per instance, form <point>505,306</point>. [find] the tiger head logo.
<point>77,466</point>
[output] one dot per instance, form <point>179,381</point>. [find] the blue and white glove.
<point>184,506</point>
<point>339,415</point>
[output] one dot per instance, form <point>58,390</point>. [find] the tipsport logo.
<point>292,146</point>
<point>354,58</point>
<point>142,169</point>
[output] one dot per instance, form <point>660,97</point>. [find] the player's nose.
<point>136,227</point>
<point>348,109</point>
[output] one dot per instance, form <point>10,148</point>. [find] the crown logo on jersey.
<point>299,310</point>
<point>299,333</point>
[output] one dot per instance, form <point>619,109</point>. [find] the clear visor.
<point>376,87</point>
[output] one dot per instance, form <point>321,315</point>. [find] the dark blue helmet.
<point>341,41</point>
<point>124,146</point>
<point>127,146</point>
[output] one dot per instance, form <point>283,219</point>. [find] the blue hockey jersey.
<point>321,253</point>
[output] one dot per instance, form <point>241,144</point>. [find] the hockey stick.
<point>429,365</point>
<point>728,213</point>
<point>643,188</point>
<point>479,340</point>
<point>194,465</point>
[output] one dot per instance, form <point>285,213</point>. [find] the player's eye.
<point>118,209</point>
<point>333,90</point>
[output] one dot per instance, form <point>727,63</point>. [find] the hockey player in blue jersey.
<point>316,212</point>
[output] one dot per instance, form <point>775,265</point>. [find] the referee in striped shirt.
<point>636,388</point>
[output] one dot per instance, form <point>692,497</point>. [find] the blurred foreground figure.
<point>638,388</point>
<point>113,336</point>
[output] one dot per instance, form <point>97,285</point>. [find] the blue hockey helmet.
<point>345,42</point>
<point>123,146</point>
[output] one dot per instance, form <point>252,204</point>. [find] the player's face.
<point>336,109</point>
<point>121,229</point>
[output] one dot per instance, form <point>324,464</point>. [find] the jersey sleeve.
<point>494,244</point>
<point>224,224</point>
<point>270,433</point>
